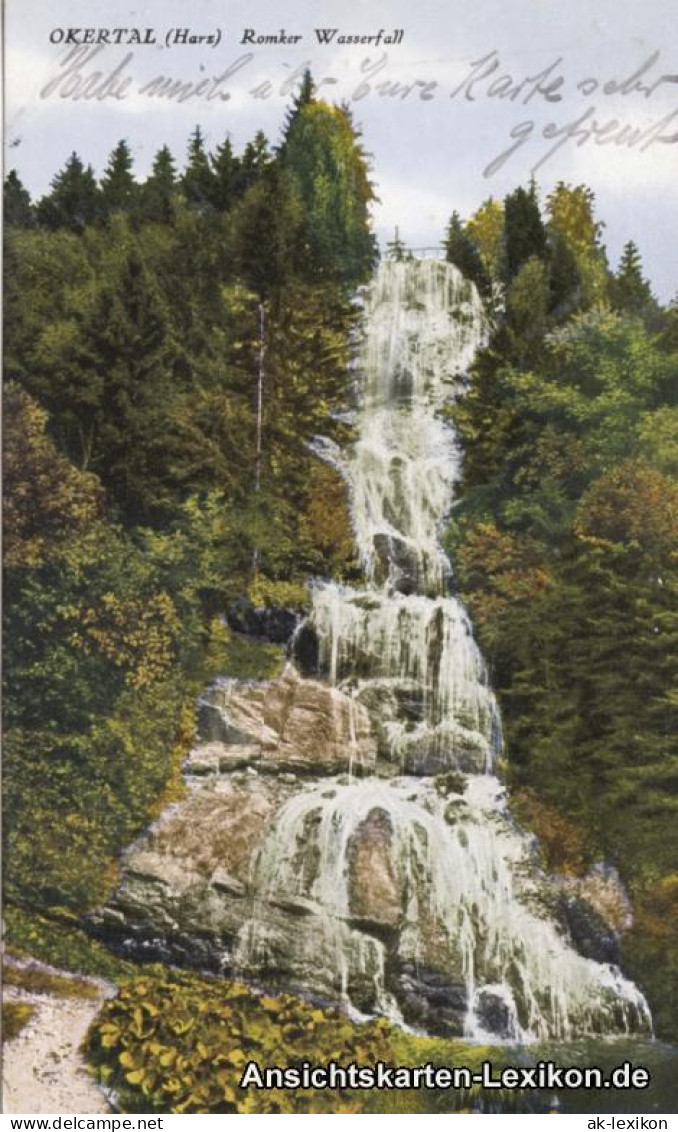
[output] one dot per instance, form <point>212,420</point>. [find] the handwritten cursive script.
<point>88,73</point>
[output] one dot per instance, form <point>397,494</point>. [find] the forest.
<point>173,348</point>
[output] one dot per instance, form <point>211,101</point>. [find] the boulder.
<point>398,561</point>
<point>430,1000</point>
<point>186,883</point>
<point>495,1014</point>
<point>374,898</point>
<point>289,724</point>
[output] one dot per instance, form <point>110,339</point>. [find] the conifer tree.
<point>524,230</point>
<point>255,160</point>
<point>321,150</point>
<point>133,351</point>
<point>630,290</point>
<point>197,181</point>
<point>74,200</point>
<point>396,248</point>
<point>159,191</point>
<point>463,253</point>
<point>304,95</point>
<point>225,166</point>
<point>17,208</point>
<point>118,187</point>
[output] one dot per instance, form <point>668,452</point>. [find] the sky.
<point>468,104</point>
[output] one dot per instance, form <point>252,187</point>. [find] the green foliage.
<point>138,322</point>
<point>265,593</point>
<point>239,657</point>
<point>143,339</point>
<point>630,289</point>
<point>55,938</point>
<point>17,209</point>
<point>527,307</point>
<point>15,1018</point>
<point>74,800</point>
<point>575,236</point>
<point>225,169</point>
<point>48,502</point>
<point>461,250</point>
<point>321,150</point>
<point>524,230</point>
<point>74,200</point>
<point>178,1043</point>
<point>118,187</point>
<point>650,951</point>
<point>196,181</point>
<point>156,197</point>
<point>486,229</point>
<point>565,541</point>
<point>38,980</point>
<point>181,1045</point>
<point>396,249</point>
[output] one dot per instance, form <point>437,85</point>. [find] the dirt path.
<point>43,1070</point>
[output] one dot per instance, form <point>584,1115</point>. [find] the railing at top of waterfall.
<point>396,249</point>
<point>433,251</point>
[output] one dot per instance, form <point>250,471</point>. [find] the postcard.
<point>339,543</point>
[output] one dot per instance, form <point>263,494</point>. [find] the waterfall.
<point>455,897</point>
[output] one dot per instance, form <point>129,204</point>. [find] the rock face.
<point>286,724</point>
<point>385,894</point>
<point>588,930</point>
<point>183,897</point>
<point>595,909</point>
<point>374,900</point>
<point>213,888</point>
<point>273,624</point>
<point>401,564</point>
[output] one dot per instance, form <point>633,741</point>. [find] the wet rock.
<point>272,623</point>
<point>432,751</point>
<point>406,568</point>
<point>388,704</point>
<point>429,1000</point>
<point>455,811</point>
<point>374,898</point>
<point>452,782</point>
<point>289,724</point>
<point>589,932</point>
<point>297,905</point>
<point>604,890</point>
<point>495,1015</point>
<point>305,650</point>
<point>224,882</point>
<point>398,561</point>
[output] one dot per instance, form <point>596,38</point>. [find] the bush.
<point>179,1043</point>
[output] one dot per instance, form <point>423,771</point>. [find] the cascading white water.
<point>463,875</point>
<point>404,648</point>
<point>424,323</point>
